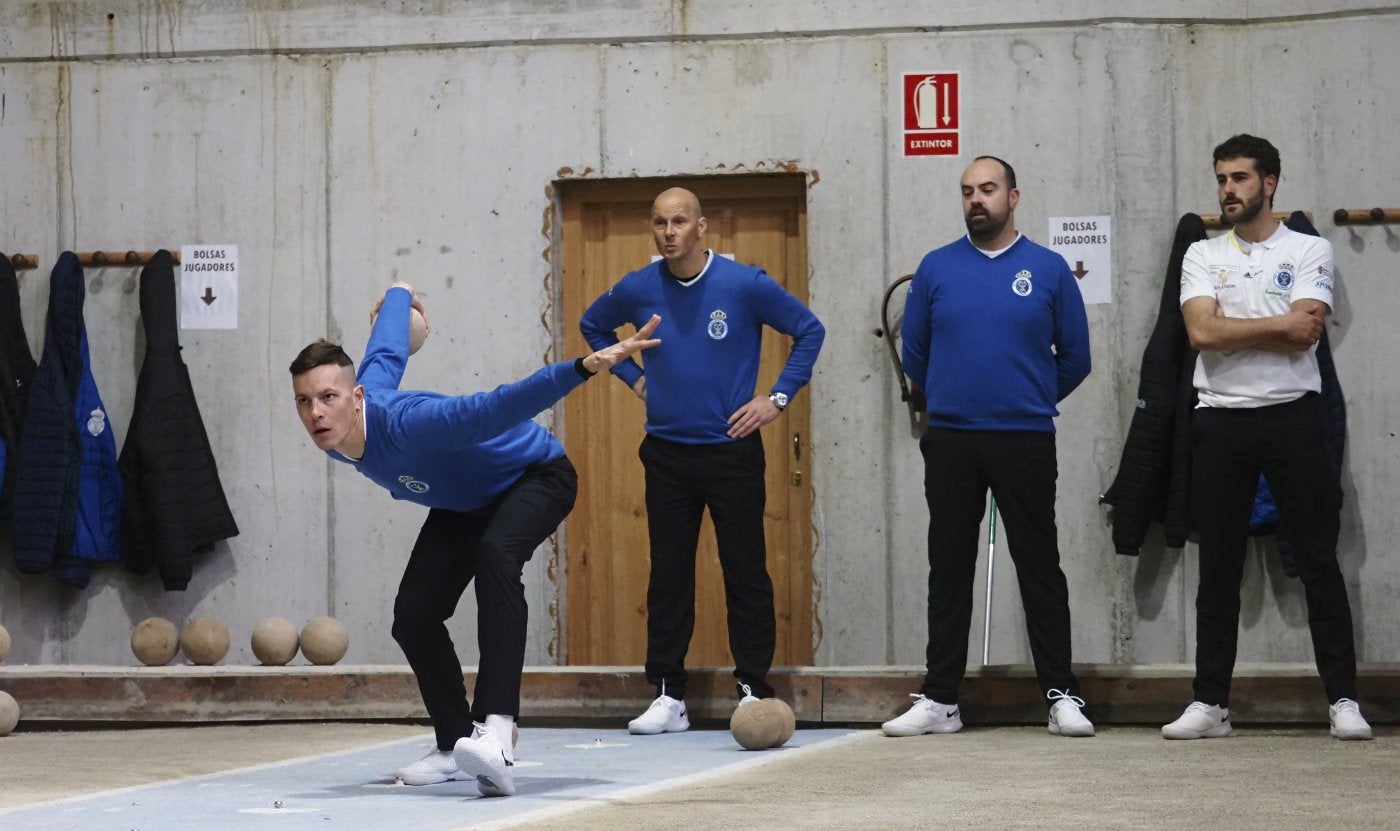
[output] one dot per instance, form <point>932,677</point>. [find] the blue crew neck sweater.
<point>457,452</point>
<point>706,365</point>
<point>995,342</point>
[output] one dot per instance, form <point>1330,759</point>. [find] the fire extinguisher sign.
<point>931,114</point>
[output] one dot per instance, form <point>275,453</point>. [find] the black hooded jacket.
<point>1154,475</point>
<point>175,505</point>
<point>16,375</point>
<point>1155,471</point>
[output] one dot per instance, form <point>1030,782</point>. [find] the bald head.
<point>677,198</point>
<point>678,229</point>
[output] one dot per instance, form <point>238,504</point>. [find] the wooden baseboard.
<point>858,696</point>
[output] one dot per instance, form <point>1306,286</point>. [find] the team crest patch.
<point>1222,275</point>
<point>413,484</point>
<point>1283,278</point>
<point>1022,283</point>
<point>96,423</point>
<point>719,325</point>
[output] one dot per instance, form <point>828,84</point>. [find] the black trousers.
<point>491,546</point>
<point>1229,449</point>
<point>1020,470</point>
<point>682,480</point>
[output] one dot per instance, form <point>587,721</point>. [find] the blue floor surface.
<point>556,770</point>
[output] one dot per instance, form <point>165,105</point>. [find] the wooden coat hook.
<point>1213,221</point>
<point>105,258</point>
<point>22,261</point>
<point>1366,216</point>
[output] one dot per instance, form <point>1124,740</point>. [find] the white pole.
<point>991,564</point>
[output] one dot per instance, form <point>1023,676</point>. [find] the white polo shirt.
<point>1252,280</point>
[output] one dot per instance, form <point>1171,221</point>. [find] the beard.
<point>985,226</point>
<point>1249,208</point>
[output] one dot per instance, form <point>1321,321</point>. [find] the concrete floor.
<point>986,777</point>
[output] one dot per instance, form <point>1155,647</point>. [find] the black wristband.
<point>582,370</point>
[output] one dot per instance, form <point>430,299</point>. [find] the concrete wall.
<point>343,145</point>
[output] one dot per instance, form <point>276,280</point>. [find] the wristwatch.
<point>779,398</point>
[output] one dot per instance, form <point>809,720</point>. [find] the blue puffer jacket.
<point>97,536</point>
<point>67,488</point>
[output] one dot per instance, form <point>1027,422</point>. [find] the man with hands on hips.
<point>702,447</point>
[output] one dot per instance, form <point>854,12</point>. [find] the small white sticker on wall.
<point>1086,243</point>
<point>209,287</point>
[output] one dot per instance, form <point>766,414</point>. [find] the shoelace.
<point>920,698</point>
<point>1345,704</point>
<point>1063,695</point>
<point>1198,707</point>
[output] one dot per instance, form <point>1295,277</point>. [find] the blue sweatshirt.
<point>457,452</point>
<point>706,365</point>
<point>995,342</point>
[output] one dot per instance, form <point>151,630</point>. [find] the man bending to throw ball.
<point>496,485</point>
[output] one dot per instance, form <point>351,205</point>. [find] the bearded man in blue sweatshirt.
<point>496,485</point>
<point>994,335</point>
<point>703,448</point>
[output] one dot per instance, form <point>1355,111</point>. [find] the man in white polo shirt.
<point>1254,301</point>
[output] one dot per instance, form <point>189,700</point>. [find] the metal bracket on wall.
<point>1366,216</point>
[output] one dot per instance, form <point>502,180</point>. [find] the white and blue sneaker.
<point>926,716</point>
<point>484,757</point>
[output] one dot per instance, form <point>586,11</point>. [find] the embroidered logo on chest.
<point>413,484</point>
<point>719,324</point>
<point>1283,277</point>
<point>1021,284</point>
<point>1223,276</point>
<point>96,423</point>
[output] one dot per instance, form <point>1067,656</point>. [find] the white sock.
<point>501,726</point>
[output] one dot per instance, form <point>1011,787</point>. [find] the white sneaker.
<point>926,716</point>
<point>437,766</point>
<point>748,695</point>
<point>665,715</point>
<point>1200,721</point>
<point>1065,717</point>
<point>484,757</point>
<point>1347,722</point>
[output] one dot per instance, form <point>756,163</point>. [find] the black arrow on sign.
<point>1079,269</point>
<point>208,297</point>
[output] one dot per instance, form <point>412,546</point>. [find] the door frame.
<point>729,185</point>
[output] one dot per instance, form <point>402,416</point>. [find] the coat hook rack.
<point>1213,221</point>
<point>117,258</point>
<point>1366,216</point>
<point>21,261</point>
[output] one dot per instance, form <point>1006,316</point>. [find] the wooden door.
<point>606,233</point>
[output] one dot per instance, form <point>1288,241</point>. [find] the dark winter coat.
<point>1155,471</point>
<point>1154,474</point>
<point>1265,516</point>
<point>175,505</point>
<point>16,375</point>
<point>67,487</point>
